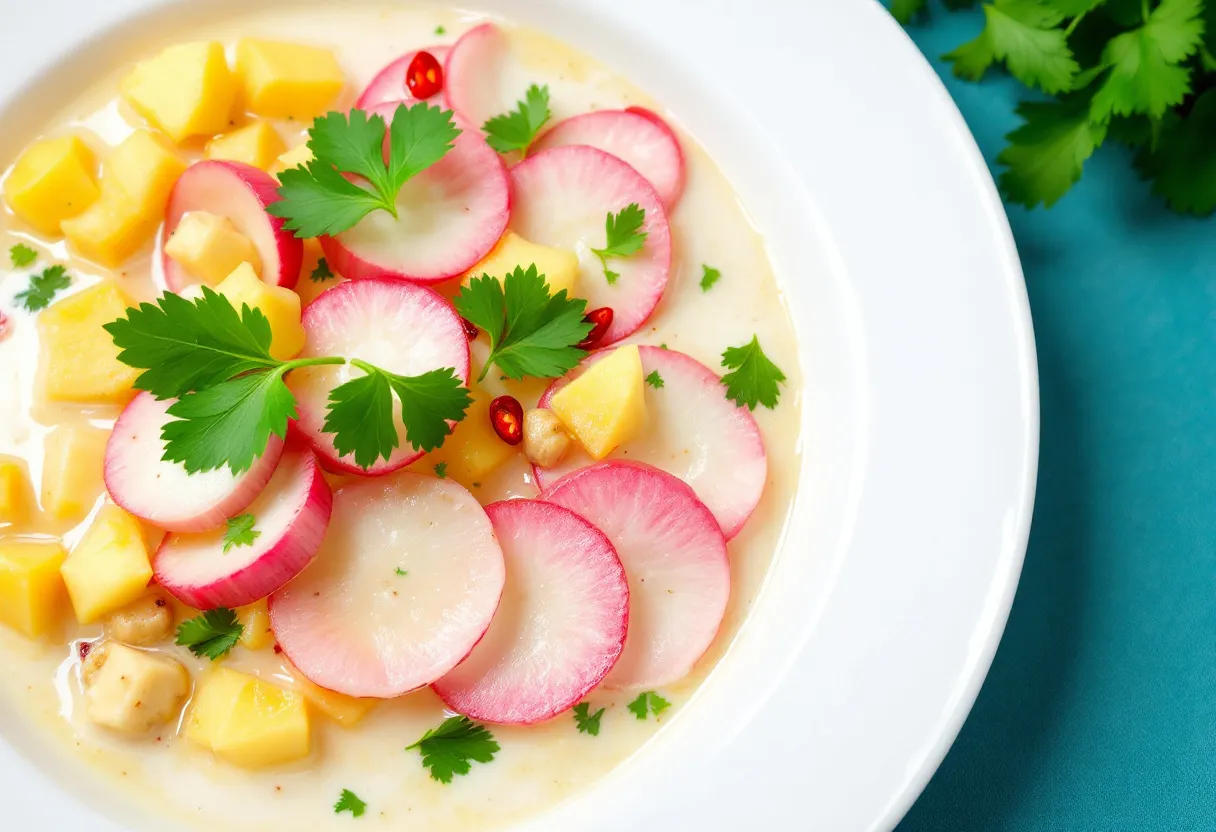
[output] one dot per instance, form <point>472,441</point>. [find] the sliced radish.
<point>389,84</point>
<point>290,516</point>
<point>406,584</point>
<point>241,193</point>
<point>563,197</point>
<point>637,136</point>
<point>674,556</point>
<point>692,431</point>
<point>475,76</point>
<point>144,484</point>
<point>394,324</point>
<point>561,624</point>
<point>448,217</point>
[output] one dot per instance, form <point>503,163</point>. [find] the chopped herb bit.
<point>625,237</point>
<point>587,723</point>
<point>212,634</point>
<point>709,276</point>
<point>401,573</point>
<point>477,485</point>
<point>441,469</point>
<point>240,532</point>
<point>448,749</point>
<point>349,802</point>
<point>654,379</point>
<point>663,345</point>
<point>322,272</point>
<point>439,30</point>
<point>517,129</point>
<point>22,256</point>
<point>648,702</point>
<point>43,287</point>
<point>752,379</point>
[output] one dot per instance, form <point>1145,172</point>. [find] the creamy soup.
<point>366,752</point>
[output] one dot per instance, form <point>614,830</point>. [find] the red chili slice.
<point>470,329</point>
<point>507,417</point>
<point>424,77</point>
<point>600,319</point>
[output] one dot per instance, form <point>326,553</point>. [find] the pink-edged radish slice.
<point>290,517</point>
<point>407,582</point>
<point>142,483</point>
<point>241,193</point>
<point>448,217</point>
<point>637,136</point>
<point>396,325</point>
<point>563,197</point>
<point>476,76</point>
<point>675,559</point>
<point>389,84</point>
<point>561,624</point>
<point>692,431</point>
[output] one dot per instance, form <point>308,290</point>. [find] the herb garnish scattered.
<point>349,802</point>
<point>22,255</point>
<point>648,702</point>
<point>212,634</point>
<point>709,276</point>
<point>448,749</point>
<point>587,723</point>
<point>753,379</point>
<point>625,237</point>
<point>43,288</point>
<point>654,379</point>
<point>240,531</point>
<point>322,272</point>
<point>517,129</point>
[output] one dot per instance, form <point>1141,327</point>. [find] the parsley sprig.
<point>240,532</point>
<point>447,750</point>
<point>21,255</point>
<point>43,288</point>
<point>648,702</point>
<point>585,721</point>
<point>348,801</point>
<point>212,634</point>
<point>753,379</point>
<point>517,129</point>
<point>625,237</point>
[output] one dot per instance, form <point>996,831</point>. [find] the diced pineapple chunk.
<point>558,266</point>
<point>255,625</point>
<point>280,305</point>
<point>132,691</point>
<point>15,490</point>
<point>52,181</point>
<point>474,449</point>
<point>81,360</point>
<point>606,405</point>
<point>294,158</point>
<point>248,722</point>
<point>186,90</point>
<point>287,80</point>
<point>72,470</point>
<point>257,144</point>
<point>210,248</point>
<point>110,231</point>
<point>345,710</point>
<point>31,590</point>
<point>109,568</point>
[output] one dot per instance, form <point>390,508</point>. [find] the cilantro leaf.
<point>1023,34</point>
<point>401,573</point>
<point>709,276</point>
<point>1182,166</point>
<point>212,634</point>
<point>42,288</point>
<point>532,333</point>
<point>441,470</point>
<point>517,129</point>
<point>447,750</point>
<point>654,379</point>
<point>317,199</point>
<point>648,702</point>
<point>240,531</point>
<point>587,723</point>
<point>322,272</point>
<point>625,236</point>
<point>752,379</point>
<point>1046,154</point>
<point>348,801</point>
<point>22,255</point>
<point>440,30</point>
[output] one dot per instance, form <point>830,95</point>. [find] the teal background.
<point>1099,712</point>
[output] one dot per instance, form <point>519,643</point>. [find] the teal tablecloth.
<point>1099,712</point>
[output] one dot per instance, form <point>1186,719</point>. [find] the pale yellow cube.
<point>15,492</point>
<point>110,231</point>
<point>605,406</point>
<point>248,722</point>
<point>257,144</point>
<point>132,691</point>
<point>558,266</point>
<point>210,248</point>
<point>287,80</point>
<point>53,180</point>
<point>80,359</point>
<point>345,710</point>
<point>187,90</point>
<point>255,626</point>
<point>72,470</point>
<point>473,450</point>
<point>109,568</point>
<point>32,597</point>
<point>280,305</point>
<point>296,157</point>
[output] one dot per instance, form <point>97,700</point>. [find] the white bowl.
<point>882,611</point>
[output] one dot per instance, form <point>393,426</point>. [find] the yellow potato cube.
<point>280,305</point>
<point>257,144</point>
<point>558,266</point>
<point>345,710</point>
<point>606,405</point>
<point>248,722</point>
<point>287,80</point>
<point>81,361</point>
<point>255,626</point>
<point>210,248</point>
<point>52,181</point>
<point>186,90</point>
<point>473,450</point>
<point>15,490</point>
<point>294,158</point>
<point>109,568</point>
<point>110,231</point>
<point>31,590</point>
<point>72,471</point>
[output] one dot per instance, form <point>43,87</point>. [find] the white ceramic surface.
<point>883,610</point>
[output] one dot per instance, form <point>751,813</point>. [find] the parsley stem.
<point>297,363</point>
<point>1076,21</point>
<point>1144,9</point>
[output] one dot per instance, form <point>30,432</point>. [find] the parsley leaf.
<point>752,379</point>
<point>709,277</point>
<point>348,801</point>
<point>439,30</point>
<point>212,634</point>
<point>441,470</point>
<point>1182,166</point>
<point>401,573</point>
<point>517,129</point>
<point>648,702</point>
<point>447,750</point>
<point>22,256</point>
<point>654,379</point>
<point>317,199</point>
<point>322,272</point>
<point>532,333</point>
<point>625,236</point>
<point>587,723</point>
<point>1023,34</point>
<point>1046,154</point>
<point>42,288</point>
<point>240,531</point>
